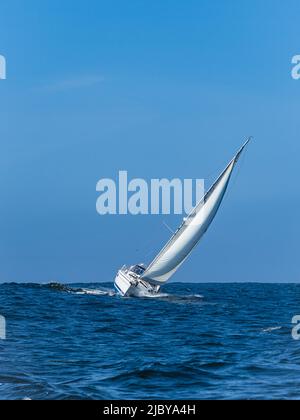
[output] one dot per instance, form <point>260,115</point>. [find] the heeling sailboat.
<point>139,280</point>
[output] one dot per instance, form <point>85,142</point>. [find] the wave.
<point>175,298</point>
<point>80,290</point>
<point>59,287</point>
<point>106,291</point>
<point>96,292</point>
<point>83,341</point>
<point>270,329</point>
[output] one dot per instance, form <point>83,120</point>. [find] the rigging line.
<point>241,160</point>
<point>154,251</point>
<point>216,171</point>
<point>168,227</point>
<point>146,248</point>
<point>238,171</point>
<point>212,175</point>
<point>219,167</point>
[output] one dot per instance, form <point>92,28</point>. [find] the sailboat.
<point>140,280</point>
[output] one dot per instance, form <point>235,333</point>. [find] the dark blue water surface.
<point>195,341</point>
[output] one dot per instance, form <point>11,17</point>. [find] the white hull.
<point>129,284</point>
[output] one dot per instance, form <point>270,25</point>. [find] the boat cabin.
<point>138,269</point>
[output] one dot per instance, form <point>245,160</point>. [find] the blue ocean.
<point>193,341</point>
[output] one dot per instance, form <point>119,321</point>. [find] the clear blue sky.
<point>161,89</point>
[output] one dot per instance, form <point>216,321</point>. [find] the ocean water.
<point>194,341</point>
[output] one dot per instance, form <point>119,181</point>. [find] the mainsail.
<point>193,227</point>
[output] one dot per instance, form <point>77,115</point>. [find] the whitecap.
<point>270,329</point>
<point>96,292</point>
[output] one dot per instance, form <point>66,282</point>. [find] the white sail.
<point>191,230</point>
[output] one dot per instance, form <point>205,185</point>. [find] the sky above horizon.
<point>160,89</point>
